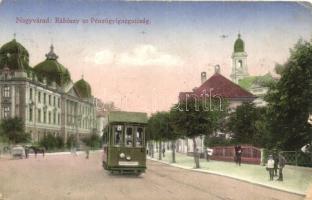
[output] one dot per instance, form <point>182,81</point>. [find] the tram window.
<point>129,137</point>
<point>139,137</point>
<point>118,135</point>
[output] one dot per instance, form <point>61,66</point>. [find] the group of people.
<point>276,162</point>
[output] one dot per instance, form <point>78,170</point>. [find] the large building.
<point>44,96</point>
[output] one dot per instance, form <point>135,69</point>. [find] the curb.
<point>228,176</point>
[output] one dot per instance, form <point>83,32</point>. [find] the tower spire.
<point>51,55</point>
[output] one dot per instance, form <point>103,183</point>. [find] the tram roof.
<point>129,117</point>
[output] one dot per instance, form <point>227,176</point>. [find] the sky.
<point>143,67</point>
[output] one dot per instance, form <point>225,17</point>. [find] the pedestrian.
<point>270,167</point>
<point>281,163</point>
<point>236,154</point>
<point>26,152</point>
<point>209,153</point>
<point>87,152</point>
<point>276,158</point>
<point>239,155</point>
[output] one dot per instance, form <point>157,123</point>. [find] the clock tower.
<point>239,58</point>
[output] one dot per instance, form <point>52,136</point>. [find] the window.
<point>6,112</point>
<point>58,118</point>
<point>30,114</point>
<point>139,137</point>
<point>49,117</point>
<point>30,93</point>
<point>6,91</point>
<point>240,63</point>
<point>44,117</point>
<point>39,116</point>
<point>54,101</point>
<point>50,100</point>
<point>54,118</point>
<point>39,97</point>
<point>129,137</point>
<point>44,98</point>
<point>118,135</point>
<point>58,102</point>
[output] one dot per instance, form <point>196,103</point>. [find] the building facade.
<point>44,96</point>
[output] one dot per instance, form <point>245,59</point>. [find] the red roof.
<point>221,86</point>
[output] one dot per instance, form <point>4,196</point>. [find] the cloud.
<point>145,55</point>
<point>141,55</point>
<point>103,57</point>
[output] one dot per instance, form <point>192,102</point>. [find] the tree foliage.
<point>193,118</point>
<point>244,123</point>
<point>93,141</point>
<point>290,101</point>
<point>50,142</point>
<point>13,129</point>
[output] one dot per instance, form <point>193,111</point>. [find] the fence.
<point>297,158</point>
<point>250,154</point>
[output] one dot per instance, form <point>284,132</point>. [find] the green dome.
<point>83,88</point>
<point>14,56</point>
<point>52,70</point>
<point>239,45</point>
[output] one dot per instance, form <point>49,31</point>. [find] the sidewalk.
<point>296,179</point>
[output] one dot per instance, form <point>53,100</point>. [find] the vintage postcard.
<point>188,100</point>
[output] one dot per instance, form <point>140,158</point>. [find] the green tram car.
<point>124,148</point>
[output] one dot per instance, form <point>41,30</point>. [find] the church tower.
<point>239,58</point>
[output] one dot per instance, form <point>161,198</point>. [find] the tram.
<point>124,149</point>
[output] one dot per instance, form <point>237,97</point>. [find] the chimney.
<point>203,77</point>
<point>217,69</point>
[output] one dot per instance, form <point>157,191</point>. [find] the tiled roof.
<point>219,85</point>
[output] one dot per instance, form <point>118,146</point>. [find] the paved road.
<point>68,177</point>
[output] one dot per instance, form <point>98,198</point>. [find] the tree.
<point>243,123</point>
<point>192,119</point>
<point>13,129</point>
<point>290,101</point>
<point>93,141</point>
<point>157,128</point>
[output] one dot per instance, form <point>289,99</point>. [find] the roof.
<point>221,86</point>
<point>52,69</point>
<point>239,45</point>
<point>83,88</point>
<point>130,117</point>
<point>14,56</point>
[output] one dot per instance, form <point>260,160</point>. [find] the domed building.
<point>14,56</point>
<point>44,96</point>
<point>83,88</point>
<point>52,70</point>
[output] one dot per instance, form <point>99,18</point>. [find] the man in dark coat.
<point>281,163</point>
<point>276,158</point>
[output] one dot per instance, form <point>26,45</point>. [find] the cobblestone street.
<point>74,177</point>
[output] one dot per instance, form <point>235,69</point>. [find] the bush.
<point>50,142</point>
<point>71,141</point>
<point>93,141</point>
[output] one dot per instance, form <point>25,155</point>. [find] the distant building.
<point>217,86</point>
<point>44,96</point>
<point>257,85</point>
<point>239,61</point>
